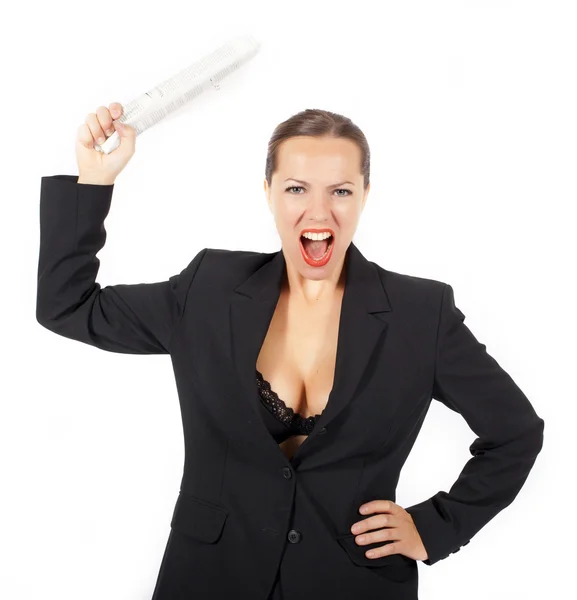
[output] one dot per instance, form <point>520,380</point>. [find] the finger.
<point>381,535</point>
<point>385,550</point>
<point>105,120</point>
<point>379,506</point>
<point>95,128</point>
<point>84,136</point>
<point>376,522</point>
<point>116,110</point>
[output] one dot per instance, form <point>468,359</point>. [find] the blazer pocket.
<point>357,554</point>
<point>200,519</point>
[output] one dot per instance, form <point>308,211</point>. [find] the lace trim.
<point>284,413</point>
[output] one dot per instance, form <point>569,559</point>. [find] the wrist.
<point>86,179</point>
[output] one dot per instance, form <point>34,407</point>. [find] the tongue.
<point>315,248</point>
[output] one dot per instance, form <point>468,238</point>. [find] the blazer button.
<point>323,430</point>
<point>287,473</point>
<point>294,536</point>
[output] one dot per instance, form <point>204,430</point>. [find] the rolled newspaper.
<point>205,74</point>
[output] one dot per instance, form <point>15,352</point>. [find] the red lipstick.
<point>321,262</point>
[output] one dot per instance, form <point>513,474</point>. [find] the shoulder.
<point>405,283</point>
<point>223,267</point>
<point>411,293</point>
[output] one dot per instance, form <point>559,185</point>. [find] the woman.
<point>312,350</point>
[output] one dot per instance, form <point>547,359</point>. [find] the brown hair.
<point>318,123</point>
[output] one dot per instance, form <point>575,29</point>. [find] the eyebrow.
<point>306,182</point>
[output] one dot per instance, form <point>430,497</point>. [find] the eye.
<point>344,190</point>
<point>299,187</point>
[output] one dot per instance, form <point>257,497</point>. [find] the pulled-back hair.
<point>318,123</point>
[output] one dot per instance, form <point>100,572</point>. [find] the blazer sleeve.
<point>131,319</point>
<point>510,435</point>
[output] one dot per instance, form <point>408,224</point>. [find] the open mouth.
<point>316,252</point>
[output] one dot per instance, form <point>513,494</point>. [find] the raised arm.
<point>131,319</point>
<point>471,382</point>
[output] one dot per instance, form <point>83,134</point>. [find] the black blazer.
<point>244,509</point>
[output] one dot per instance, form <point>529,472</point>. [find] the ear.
<point>267,194</point>
<point>365,196</point>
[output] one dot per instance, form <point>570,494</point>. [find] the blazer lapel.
<point>362,325</point>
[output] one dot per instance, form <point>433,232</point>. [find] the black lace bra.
<point>285,421</point>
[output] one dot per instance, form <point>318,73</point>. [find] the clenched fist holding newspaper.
<point>96,167</point>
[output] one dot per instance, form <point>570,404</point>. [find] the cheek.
<point>347,216</point>
<point>287,219</point>
<point>285,227</point>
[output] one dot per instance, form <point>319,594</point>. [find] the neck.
<point>313,291</point>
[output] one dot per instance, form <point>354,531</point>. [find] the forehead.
<point>305,156</point>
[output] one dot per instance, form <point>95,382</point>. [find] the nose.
<point>319,207</point>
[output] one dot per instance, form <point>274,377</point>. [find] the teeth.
<point>316,236</point>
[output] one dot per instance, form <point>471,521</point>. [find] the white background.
<point>469,110</point>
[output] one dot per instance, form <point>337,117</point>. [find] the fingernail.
<point>110,131</point>
<point>100,140</point>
